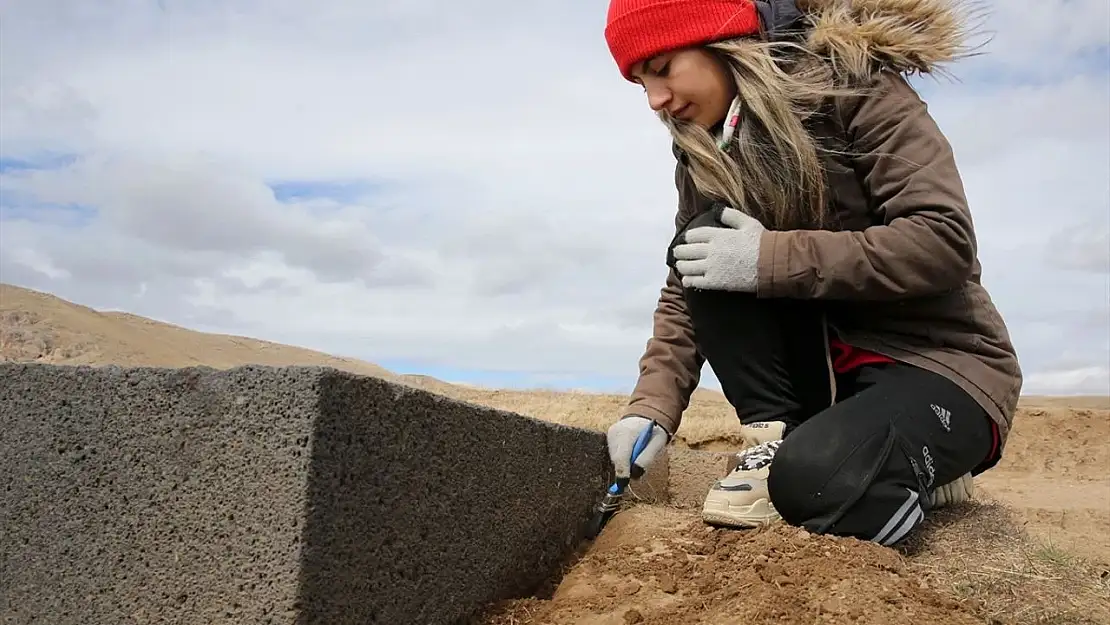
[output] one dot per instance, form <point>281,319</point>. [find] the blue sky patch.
<point>343,191</point>
<point>15,207</point>
<point>12,164</point>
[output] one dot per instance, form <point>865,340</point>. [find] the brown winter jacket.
<point>901,277</point>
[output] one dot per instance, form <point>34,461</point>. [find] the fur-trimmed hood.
<point>860,37</point>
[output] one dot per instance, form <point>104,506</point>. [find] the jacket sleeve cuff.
<point>771,265</point>
<point>670,424</point>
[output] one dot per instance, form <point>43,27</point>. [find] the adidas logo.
<point>945,417</point>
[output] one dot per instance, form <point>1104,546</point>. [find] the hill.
<point>1034,549</point>
<point>39,327</point>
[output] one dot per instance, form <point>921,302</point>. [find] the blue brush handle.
<point>642,441</point>
<point>638,448</point>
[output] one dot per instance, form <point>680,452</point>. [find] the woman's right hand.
<point>622,437</point>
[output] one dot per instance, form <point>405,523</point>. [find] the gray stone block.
<point>274,495</point>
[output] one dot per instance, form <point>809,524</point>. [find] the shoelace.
<point>757,457</point>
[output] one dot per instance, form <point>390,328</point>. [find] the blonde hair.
<point>772,169</point>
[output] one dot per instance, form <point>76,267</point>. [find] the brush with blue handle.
<point>611,503</point>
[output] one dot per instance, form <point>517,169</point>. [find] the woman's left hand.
<point>719,258</point>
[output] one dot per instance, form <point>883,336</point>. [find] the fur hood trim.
<point>861,37</point>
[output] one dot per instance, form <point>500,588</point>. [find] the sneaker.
<point>740,499</point>
<point>957,491</point>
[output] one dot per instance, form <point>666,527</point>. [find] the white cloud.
<point>1084,247</point>
<point>523,192</point>
<point>1080,381</point>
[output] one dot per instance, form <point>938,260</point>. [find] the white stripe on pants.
<point>905,518</point>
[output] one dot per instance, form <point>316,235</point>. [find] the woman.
<point>824,263</point>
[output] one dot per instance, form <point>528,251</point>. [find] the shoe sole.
<point>756,514</point>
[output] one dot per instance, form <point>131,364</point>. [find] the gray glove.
<point>622,437</point>
<point>723,259</point>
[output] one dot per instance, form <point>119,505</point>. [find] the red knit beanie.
<point>640,29</point>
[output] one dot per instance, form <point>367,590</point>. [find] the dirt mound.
<point>1063,441</point>
<point>970,565</point>
<point>1033,549</point>
<point>659,566</point>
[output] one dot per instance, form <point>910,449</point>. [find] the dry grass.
<point>709,423</point>
<point>982,554</point>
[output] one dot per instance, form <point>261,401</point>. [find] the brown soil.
<point>1056,475</point>
<point>658,566</point>
<point>1033,548</point>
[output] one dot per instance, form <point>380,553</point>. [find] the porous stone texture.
<point>274,495</point>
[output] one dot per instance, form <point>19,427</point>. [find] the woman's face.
<point>689,84</point>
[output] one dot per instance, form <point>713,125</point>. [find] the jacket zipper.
<point>828,359</point>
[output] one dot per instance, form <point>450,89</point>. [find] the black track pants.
<point>864,466</point>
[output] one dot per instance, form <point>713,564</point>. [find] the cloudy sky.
<point>469,189</point>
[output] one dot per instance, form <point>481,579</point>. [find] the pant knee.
<point>862,487</point>
<point>817,478</point>
<point>796,484</point>
<point>707,218</point>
